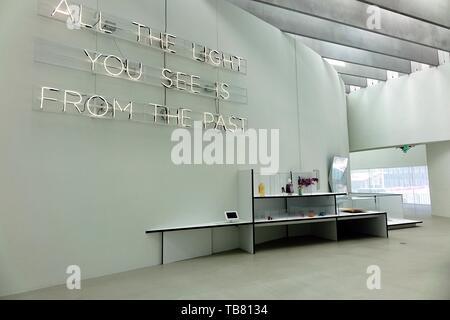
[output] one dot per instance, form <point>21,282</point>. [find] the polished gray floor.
<point>415,264</point>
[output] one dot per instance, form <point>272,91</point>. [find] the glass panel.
<point>421,186</point>
<point>294,208</point>
<point>265,185</point>
<point>411,182</point>
<point>360,181</point>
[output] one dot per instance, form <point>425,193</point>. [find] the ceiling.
<point>366,41</point>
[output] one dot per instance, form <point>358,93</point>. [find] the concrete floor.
<point>415,264</point>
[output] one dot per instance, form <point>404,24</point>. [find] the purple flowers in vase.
<point>305,182</point>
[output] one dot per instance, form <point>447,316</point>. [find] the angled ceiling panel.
<point>433,11</point>
<point>355,14</point>
<point>354,81</point>
<point>347,88</point>
<point>312,27</point>
<point>361,71</point>
<point>356,56</point>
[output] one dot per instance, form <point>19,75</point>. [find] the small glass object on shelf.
<point>289,187</point>
<point>311,213</point>
<point>261,190</point>
<point>305,183</point>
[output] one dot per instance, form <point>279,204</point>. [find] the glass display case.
<point>391,203</point>
<point>277,213</point>
<point>277,184</point>
<point>294,207</point>
<point>269,185</point>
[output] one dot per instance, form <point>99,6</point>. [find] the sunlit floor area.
<point>414,263</point>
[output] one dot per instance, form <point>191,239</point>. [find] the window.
<point>411,182</point>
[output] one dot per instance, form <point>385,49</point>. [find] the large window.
<point>412,182</point>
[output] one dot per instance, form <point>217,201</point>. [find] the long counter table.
<point>332,227</point>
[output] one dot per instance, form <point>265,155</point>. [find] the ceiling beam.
<point>355,14</point>
<point>312,27</point>
<point>347,88</point>
<point>435,12</point>
<point>354,81</point>
<point>356,56</point>
<point>361,71</point>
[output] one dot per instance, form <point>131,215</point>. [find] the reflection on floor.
<point>414,263</point>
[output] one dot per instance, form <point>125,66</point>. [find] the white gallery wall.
<point>389,158</point>
<point>412,109</point>
<point>438,155</point>
<point>82,191</point>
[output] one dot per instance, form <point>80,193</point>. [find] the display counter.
<point>272,216</point>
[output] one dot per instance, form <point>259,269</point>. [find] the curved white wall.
<point>412,109</point>
<point>80,191</point>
